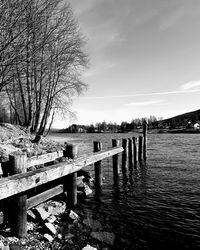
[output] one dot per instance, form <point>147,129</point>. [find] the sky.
<point>144,59</point>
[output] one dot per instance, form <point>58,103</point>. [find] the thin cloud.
<point>143,94</point>
<point>150,102</point>
<point>190,85</point>
<point>172,19</point>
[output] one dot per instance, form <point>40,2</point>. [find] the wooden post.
<point>97,167</point>
<point>145,140</point>
<point>70,151</point>
<point>130,152</point>
<point>140,149</point>
<point>115,143</point>
<point>71,180</point>
<point>135,150</point>
<point>124,153</point>
<point>18,206</point>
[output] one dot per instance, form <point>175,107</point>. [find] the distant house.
<point>197,126</point>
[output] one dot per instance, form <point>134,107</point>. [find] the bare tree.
<point>45,75</point>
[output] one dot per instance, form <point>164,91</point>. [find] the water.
<point>156,206</point>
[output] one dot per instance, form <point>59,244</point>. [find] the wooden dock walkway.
<point>14,188</point>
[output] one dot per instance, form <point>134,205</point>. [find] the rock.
<point>30,226</point>
<point>87,190</point>
<point>48,237</point>
<point>50,227</point>
<point>15,246</point>
<point>88,247</point>
<point>80,184</point>
<point>51,219</point>
<point>42,213</point>
<point>12,239</point>
<point>70,242</point>
<point>69,236</point>
<point>1,245</point>
<point>93,224</point>
<point>105,237</point>
<point>73,215</point>
<point>59,236</point>
<point>31,215</point>
<point>55,207</point>
<point>6,247</point>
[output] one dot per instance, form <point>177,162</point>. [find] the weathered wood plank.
<point>44,196</point>
<point>21,182</point>
<point>41,159</point>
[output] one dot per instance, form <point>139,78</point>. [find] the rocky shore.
<point>52,225</point>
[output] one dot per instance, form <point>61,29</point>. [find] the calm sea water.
<point>156,206</point>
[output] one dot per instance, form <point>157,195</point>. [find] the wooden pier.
<point>60,177</point>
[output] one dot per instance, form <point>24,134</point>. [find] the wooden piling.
<point>130,152</point>
<point>18,205</point>
<point>115,143</point>
<point>71,189</point>
<point>124,153</point>
<point>140,149</point>
<point>145,140</point>
<point>97,167</point>
<point>70,181</point>
<point>135,150</point>
<point>70,151</point>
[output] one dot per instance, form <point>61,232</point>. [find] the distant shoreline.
<point>180,131</point>
<point>151,131</point>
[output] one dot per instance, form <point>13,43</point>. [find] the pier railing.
<point>16,190</point>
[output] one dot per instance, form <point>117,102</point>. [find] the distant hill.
<point>183,119</point>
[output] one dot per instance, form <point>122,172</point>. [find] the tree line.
<point>134,125</point>
<point>41,61</point>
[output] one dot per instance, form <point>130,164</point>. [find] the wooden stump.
<point>97,167</point>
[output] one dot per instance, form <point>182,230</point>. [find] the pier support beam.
<point>145,140</point>
<point>130,152</point>
<point>18,205</point>
<point>124,154</point>
<point>71,184</point>
<point>116,171</point>
<point>140,149</point>
<point>135,150</point>
<point>97,167</point>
